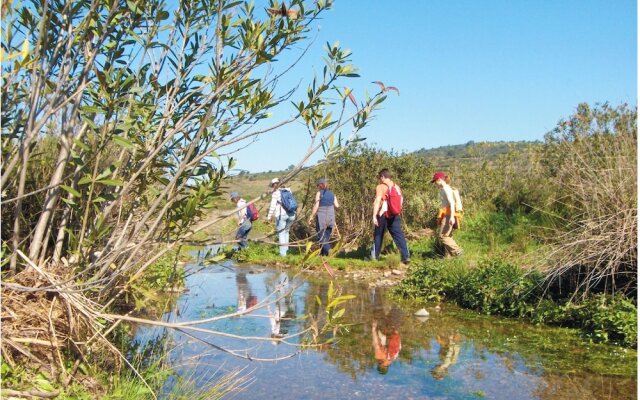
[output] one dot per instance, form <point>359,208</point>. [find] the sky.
<point>468,70</point>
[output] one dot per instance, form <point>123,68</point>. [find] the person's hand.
<point>375,221</point>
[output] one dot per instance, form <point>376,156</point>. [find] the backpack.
<point>288,201</point>
<point>252,212</point>
<point>394,201</point>
<point>457,199</point>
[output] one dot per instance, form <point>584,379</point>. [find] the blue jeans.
<point>283,224</point>
<point>392,224</point>
<point>324,237</point>
<point>242,233</point>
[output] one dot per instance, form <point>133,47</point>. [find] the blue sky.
<point>470,70</point>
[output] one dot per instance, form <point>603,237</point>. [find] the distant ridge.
<point>471,151</point>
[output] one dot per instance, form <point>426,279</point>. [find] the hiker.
<point>386,338</point>
<point>325,205</point>
<point>387,207</point>
<point>283,218</point>
<point>244,223</point>
<point>458,202</point>
<point>246,298</point>
<point>448,354</point>
<point>446,216</point>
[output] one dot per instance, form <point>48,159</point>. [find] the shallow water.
<point>386,354</point>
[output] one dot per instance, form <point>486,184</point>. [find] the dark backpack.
<point>288,201</point>
<point>394,201</point>
<point>252,212</point>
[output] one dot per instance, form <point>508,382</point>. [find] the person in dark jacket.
<point>325,215</point>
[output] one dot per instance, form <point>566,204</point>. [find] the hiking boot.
<point>405,262</point>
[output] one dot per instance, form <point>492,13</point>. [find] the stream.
<point>385,352</point>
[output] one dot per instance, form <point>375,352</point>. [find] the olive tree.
<point>140,98</point>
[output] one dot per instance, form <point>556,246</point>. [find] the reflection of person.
<point>383,220</point>
<point>246,299</point>
<point>244,223</point>
<point>325,204</point>
<point>446,216</point>
<point>449,351</point>
<point>386,345</point>
<point>283,219</point>
<point>276,317</point>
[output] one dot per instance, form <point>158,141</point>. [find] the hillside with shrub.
<point>549,223</point>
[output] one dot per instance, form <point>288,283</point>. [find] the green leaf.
<point>86,179</point>
<point>112,182</point>
<point>81,144</point>
<point>71,190</point>
<point>126,143</point>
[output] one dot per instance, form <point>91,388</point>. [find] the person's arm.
<point>335,202</point>
<point>316,205</point>
<point>377,203</point>
<point>274,202</point>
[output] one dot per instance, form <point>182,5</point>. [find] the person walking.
<point>458,202</point>
<point>324,210</point>
<point>386,216</point>
<point>446,216</point>
<point>244,223</point>
<point>283,219</point>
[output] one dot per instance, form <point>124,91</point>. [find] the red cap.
<point>438,175</point>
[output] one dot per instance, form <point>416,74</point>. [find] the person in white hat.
<point>283,219</point>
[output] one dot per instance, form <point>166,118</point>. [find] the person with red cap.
<point>446,216</point>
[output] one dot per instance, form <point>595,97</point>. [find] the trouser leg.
<point>395,229</point>
<point>283,234</point>
<point>242,234</point>
<point>445,235</point>
<point>324,237</point>
<point>378,233</point>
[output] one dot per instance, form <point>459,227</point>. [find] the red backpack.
<point>394,201</point>
<point>252,212</point>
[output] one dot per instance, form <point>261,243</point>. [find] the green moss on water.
<point>550,349</point>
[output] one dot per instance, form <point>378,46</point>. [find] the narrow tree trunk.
<point>52,197</point>
<point>15,242</point>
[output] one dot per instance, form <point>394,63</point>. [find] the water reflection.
<point>246,298</point>
<point>385,332</point>
<point>387,353</point>
<point>449,352</point>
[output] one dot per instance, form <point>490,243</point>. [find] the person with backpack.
<point>244,222</point>
<point>446,216</point>
<point>458,203</point>
<point>283,208</point>
<point>387,209</point>
<point>324,209</point>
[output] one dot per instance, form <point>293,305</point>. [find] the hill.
<point>445,156</point>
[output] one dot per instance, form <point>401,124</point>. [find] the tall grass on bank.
<point>500,288</point>
<point>591,159</point>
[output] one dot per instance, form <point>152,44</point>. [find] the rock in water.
<point>421,313</point>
